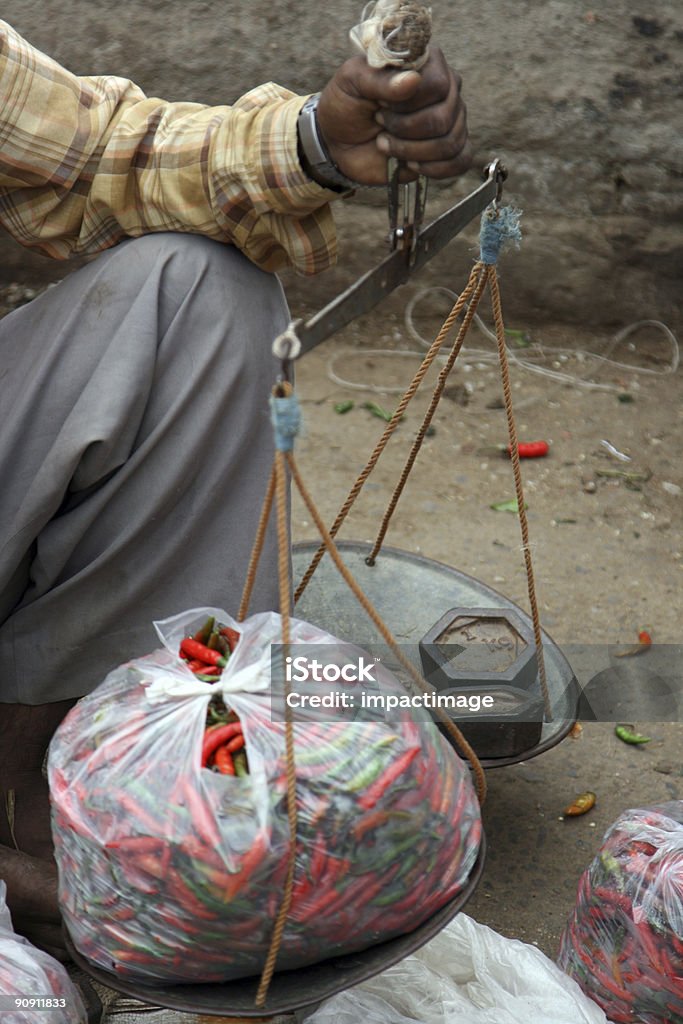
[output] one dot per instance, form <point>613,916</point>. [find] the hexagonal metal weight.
<point>490,652</point>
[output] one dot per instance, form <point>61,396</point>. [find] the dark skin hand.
<point>367,114</point>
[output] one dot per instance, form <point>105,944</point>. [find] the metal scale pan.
<point>290,991</point>
<point>412,593</point>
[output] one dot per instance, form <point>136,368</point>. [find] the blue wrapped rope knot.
<point>285,415</point>
<point>499,228</point>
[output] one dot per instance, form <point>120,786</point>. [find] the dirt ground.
<point>605,539</point>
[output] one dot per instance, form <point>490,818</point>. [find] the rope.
<point>286,417</point>
<point>391,426</point>
<point>438,391</point>
<point>499,228</point>
<point>285,603</point>
<point>377,620</point>
<point>517,473</point>
<point>257,548</point>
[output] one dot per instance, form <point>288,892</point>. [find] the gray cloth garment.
<point>135,450</point>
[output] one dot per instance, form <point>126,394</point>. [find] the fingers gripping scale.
<point>396,33</point>
<point>393,33</point>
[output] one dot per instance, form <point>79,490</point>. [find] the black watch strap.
<point>315,159</point>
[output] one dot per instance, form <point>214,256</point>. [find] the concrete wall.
<point>583,102</point>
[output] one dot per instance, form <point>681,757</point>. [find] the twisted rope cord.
<point>277,491</point>
<point>373,614</point>
<point>285,603</point>
<point>391,426</point>
<point>517,473</point>
<point>438,391</point>
<point>257,547</point>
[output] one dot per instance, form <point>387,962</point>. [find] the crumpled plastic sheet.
<point>468,974</point>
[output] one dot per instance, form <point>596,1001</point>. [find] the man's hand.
<point>366,115</point>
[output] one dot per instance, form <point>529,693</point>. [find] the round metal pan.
<point>412,593</point>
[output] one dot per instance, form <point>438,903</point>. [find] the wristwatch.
<point>315,159</point>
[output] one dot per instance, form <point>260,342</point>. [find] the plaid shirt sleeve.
<point>87,161</point>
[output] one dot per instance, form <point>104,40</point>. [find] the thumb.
<point>402,85</point>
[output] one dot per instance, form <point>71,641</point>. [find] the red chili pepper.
<point>231,635</point>
<point>194,649</point>
<point>250,862</point>
<point>136,844</point>
<point>179,892</point>
<point>223,761</point>
<point>207,670</point>
<point>312,908</point>
<point>531,449</point>
<point>216,737</point>
<point>368,822</point>
<point>317,862</point>
<point>138,814</point>
<point>202,819</point>
<point>649,946</point>
<point>389,775</point>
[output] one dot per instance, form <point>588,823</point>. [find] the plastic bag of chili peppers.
<point>33,985</point>
<point>168,788</point>
<point>624,940</point>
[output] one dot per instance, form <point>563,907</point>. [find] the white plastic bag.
<point>468,974</point>
<point>169,871</point>
<point>33,985</point>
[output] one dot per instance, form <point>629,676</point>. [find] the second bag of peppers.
<point>170,871</point>
<point>624,940</point>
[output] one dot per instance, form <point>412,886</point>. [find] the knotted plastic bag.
<point>624,940</point>
<point>171,872</point>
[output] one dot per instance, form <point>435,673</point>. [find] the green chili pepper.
<point>327,751</point>
<point>212,641</point>
<point>378,411</point>
<point>628,735</point>
<point>340,770</point>
<point>342,407</point>
<point>367,775</point>
<point>203,634</point>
